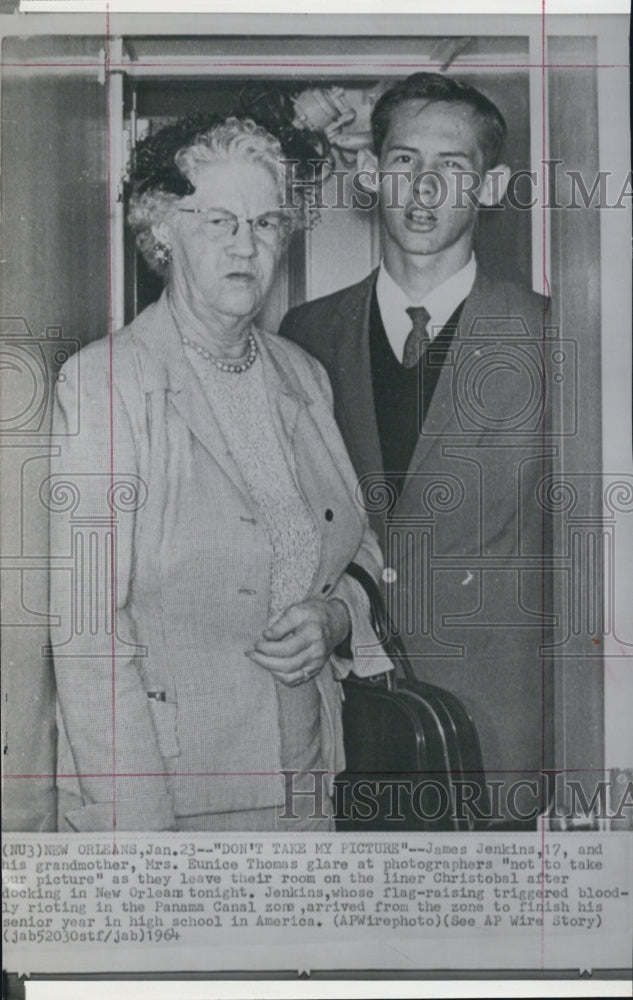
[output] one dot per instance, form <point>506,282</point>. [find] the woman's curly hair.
<point>164,166</point>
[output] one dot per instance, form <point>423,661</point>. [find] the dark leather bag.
<point>412,751</point>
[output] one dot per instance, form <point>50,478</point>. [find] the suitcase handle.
<point>381,621</point>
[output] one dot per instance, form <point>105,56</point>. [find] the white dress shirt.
<point>440,303</point>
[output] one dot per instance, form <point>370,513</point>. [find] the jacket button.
<point>325,589</point>
<point>389,575</point>
<point>329,515</point>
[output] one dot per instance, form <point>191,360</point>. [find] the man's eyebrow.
<point>460,153</point>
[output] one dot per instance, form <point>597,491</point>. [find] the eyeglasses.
<point>221,226</point>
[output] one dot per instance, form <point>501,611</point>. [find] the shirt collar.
<point>440,303</point>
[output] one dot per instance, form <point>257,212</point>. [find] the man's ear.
<point>367,166</point>
<point>494,184</point>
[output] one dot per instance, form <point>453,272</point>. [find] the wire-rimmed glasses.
<point>221,226</point>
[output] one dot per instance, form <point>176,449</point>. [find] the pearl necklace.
<point>226,366</point>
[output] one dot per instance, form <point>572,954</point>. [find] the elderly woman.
<point>201,654</point>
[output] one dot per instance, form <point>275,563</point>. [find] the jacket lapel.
<point>286,398</point>
<point>191,403</point>
<point>165,368</point>
<point>352,363</point>
<point>485,302</point>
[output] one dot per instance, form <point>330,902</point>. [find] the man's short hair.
<point>434,87</point>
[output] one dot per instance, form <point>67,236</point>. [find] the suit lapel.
<point>191,403</point>
<point>286,398</point>
<point>352,364</point>
<point>165,367</point>
<point>485,301</point>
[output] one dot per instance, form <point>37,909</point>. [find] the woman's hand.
<point>298,645</point>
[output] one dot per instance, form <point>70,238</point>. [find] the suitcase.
<point>412,751</point>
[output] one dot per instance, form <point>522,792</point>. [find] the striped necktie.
<point>418,339</point>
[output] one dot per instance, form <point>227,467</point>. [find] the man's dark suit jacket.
<point>467,537</point>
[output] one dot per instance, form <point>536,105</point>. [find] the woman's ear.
<point>161,233</point>
<point>494,184</point>
<point>162,249</point>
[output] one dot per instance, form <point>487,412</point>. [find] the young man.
<point>439,389</point>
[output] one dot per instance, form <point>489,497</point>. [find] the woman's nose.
<point>243,243</point>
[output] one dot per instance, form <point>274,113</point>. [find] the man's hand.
<point>296,648</point>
